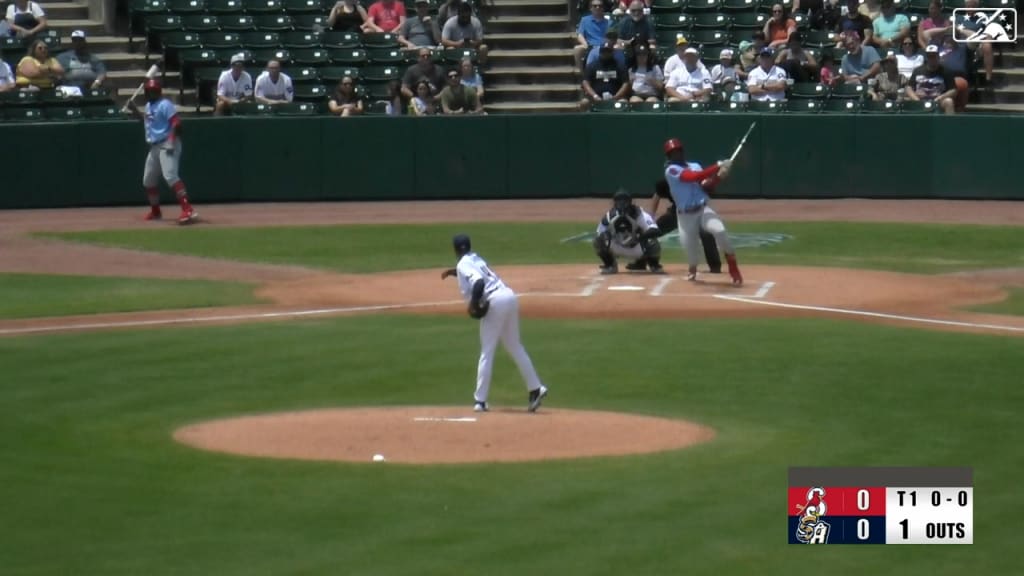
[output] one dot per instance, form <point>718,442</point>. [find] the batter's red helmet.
<point>672,144</point>
<point>152,85</point>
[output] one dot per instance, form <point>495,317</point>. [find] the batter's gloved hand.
<point>478,310</point>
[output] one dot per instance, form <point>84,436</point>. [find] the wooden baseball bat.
<point>153,71</point>
<point>743,141</point>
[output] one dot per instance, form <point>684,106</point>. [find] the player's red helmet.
<point>152,85</point>
<point>673,144</point>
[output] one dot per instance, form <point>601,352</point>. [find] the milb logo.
<point>985,25</point>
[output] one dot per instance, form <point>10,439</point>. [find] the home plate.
<point>424,419</point>
<point>627,288</point>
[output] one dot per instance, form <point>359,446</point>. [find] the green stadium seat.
<point>306,7</point>
<point>237,23</point>
<point>609,107</point>
<point>378,108</point>
<point>918,6</point>
<point>262,56</point>
<point>311,22</point>
<point>192,58</point>
<point>185,7</point>
<point>301,39</point>
<point>712,21</point>
<point>847,106</point>
<point>310,57</point>
<point>709,37</point>
<point>53,41</point>
<point>63,113</point>
<point>689,107</point>
<point>304,75</point>
<point>23,114</point>
<point>96,97</point>
<point>311,93</point>
<point>102,112</point>
<point>297,109</point>
<point>263,6</point>
<point>450,56</point>
<point>139,11</point>
<point>220,40</point>
<point>667,38</point>
<point>261,39</point>
<point>225,6</point>
<point>16,98</point>
<point>731,107</point>
<point>667,6</point>
<point>201,23</point>
<point>749,21</point>
<point>900,5</point>
<point>252,109</point>
<point>334,39</point>
<point>849,90</point>
<point>765,106</point>
<point>331,75</point>
<point>999,4</point>
<point>648,107</point>
<point>386,56</point>
<point>674,22</point>
<point>348,56</point>
<point>54,97</point>
<point>11,48</point>
<point>802,21</point>
<point>880,107</point>
<point>918,107</point>
<point>377,90</point>
<point>380,40</point>
<point>381,73</point>
<point>173,43</point>
<point>804,106</point>
<point>274,22</point>
<point>809,90</point>
<point>224,56</point>
<point>160,23</point>
<point>766,5</point>
<point>820,38</point>
<point>703,6</point>
<point>739,5</point>
<point>837,54</point>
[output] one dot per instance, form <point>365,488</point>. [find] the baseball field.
<point>208,399</point>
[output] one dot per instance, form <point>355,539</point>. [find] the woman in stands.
<point>422,104</point>
<point>347,16</point>
<point>345,102</point>
<point>908,58</point>
<point>38,68</point>
<point>646,80</point>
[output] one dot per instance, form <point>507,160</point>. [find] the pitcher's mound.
<point>442,434</point>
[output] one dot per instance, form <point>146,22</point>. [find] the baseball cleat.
<point>657,269</point>
<point>637,266</point>
<point>153,214</point>
<point>734,270</point>
<point>188,216</point>
<point>480,407</point>
<point>613,269</point>
<point>536,396</point>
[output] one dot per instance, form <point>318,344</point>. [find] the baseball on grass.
<point>378,457</point>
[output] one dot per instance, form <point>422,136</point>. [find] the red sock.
<point>179,190</point>
<point>153,193</point>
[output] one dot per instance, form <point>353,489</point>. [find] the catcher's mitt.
<point>478,310</point>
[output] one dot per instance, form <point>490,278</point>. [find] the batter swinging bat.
<point>743,141</point>
<point>153,72</point>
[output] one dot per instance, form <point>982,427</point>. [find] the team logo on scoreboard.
<point>812,529</point>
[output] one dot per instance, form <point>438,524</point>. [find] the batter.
<point>688,183</point>
<point>497,307</point>
<point>163,134</point>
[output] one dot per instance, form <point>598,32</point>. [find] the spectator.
<point>622,7</point>
<point>38,69</point>
<point>465,31</point>
<point>822,14</point>
<point>861,62</point>
<point>889,84</point>
<point>854,21</point>
<point>345,102</point>
<point>422,104</point>
<point>767,81</point>
<point>799,64</point>
<point>234,86</point>
<point>931,82</point>
<point>778,29</point>
<point>676,60</point>
<point>828,75</point>
<point>82,68</point>
<point>646,79</point>
<point>273,86</point>
<point>605,79</point>
<point>908,59</point>
<point>25,19</point>
<point>591,32</point>
<point>422,71</point>
<point>889,27</point>
<point>6,77</point>
<point>724,73</point>
<point>394,102</point>
<point>420,30</point>
<point>637,28</point>
<point>870,9</point>
<point>934,27</point>
<point>953,57</point>
<point>448,10</point>
<point>747,60</point>
<point>965,26</point>
<point>690,83</point>
<point>457,99</point>
<point>470,78</point>
<point>385,16</point>
<point>611,37</point>
<point>347,16</point>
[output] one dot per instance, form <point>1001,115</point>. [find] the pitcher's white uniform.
<point>625,232</point>
<point>501,322</point>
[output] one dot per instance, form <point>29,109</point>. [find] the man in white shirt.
<point>273,87</point>
<point>767,81</point>
<point>6,77</point>
<point>676,60</point>
<point>234,85</point>
<point>690,82</point>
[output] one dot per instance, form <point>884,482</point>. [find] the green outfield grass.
<point>922,248</point>
<point>1014,304</point>
<point>36,295</point>
<point>93,483</point>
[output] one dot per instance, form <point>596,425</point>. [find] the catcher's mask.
<point>461,244</point>
<point>623,200</point>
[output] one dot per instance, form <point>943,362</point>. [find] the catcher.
<point>668,221</point>
<point>628,231</point>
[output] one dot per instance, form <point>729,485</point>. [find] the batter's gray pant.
<point>162,160</point>
<point>690,225</point>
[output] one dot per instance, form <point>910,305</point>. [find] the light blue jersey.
<point>158,120</point>
<point>687,195</point>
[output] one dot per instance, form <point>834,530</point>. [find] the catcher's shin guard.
<point>602,247</point>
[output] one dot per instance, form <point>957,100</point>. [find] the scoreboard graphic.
<point>881,506</point>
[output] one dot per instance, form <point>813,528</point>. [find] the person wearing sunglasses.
<point>345,101</point>
<point>779,27</point>
<point>590,32</point>
<point>908,58</point>
<point>458,99</point>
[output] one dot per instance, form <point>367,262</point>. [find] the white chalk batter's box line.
<point>597,284</point>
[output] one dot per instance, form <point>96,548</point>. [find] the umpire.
<point>668,221</point>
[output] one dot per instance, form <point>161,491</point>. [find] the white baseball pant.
<point>626,251</point>
<point>502,323</point>
<point>690,224</point>
<point>162,160</point>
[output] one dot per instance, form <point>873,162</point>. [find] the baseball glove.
<point>478,310</point>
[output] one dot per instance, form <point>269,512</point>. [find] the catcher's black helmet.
<point>623,200</point>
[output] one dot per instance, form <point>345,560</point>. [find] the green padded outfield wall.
<point>552,156</point>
